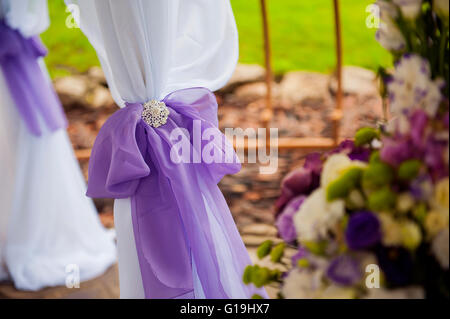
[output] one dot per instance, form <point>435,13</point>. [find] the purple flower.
<point>418,188</point>
<point>297,182</point>
<point>396,150</point>
<point>314,163</point>
<point>434,158</point>
<point>363,230</point>
<point>344,270</point>
<point>354,153</point>
<point>418,123</point>
<point>397,265</point>
<point>285,222</point>
<point>301,253</point>
<point>445,120</point>
<point>301,181</point>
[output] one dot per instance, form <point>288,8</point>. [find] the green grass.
<point>302,35</point>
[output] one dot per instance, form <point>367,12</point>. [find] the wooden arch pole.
<point>268,111</point>
<point>289,142</point>
<point>337,114</point>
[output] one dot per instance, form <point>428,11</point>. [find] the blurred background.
<point>301,32</point>
<point>303,57</point>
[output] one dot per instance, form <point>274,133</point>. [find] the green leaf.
<point>256,296</point>
<point>341,187</point>
<point>246,277</point>
<point>264,249</point>
<point>317,248</point>
<point>420,212</point>
<point>303,263</point>
<point>375,157</point>
<point>365,136</point>
<point>409,170</point>
<point>261,276</point>
<point>377,174</point>
<point>383,199</point>
<point>277,252</point>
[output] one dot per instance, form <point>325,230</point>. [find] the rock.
<point>72,89</point>
<point>255,90</point>
<point>252,240</point>
<point>244,73</point>
<point>97,75</point>
<point>99,97</point>
<point>81,135</point>
<point>305,87</point>
<point>357,81</point>
<point>238,188</point>
<point>260,230</point>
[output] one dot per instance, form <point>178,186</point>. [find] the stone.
<point>260,230</point>
<point>81,135</point>
<point>96,74</point>
<point>244,73</point>
<point>255,91</point>
<point>72,89</point>
<point>305,87</point>
<point>356,81</point>
<point>252,240</point>
<point>99,97</point>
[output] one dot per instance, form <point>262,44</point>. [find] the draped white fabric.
<point>148,49</point>
<point>47,224</point>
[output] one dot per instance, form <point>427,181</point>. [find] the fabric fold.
<point>32,92</point>
<point>169,191</point>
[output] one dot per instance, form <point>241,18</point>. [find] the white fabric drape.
<point>148,49</point>
<point>46,221</point>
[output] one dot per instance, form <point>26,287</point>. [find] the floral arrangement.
<point>370,219</point>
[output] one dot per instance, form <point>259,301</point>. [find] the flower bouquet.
<point>370,219</point>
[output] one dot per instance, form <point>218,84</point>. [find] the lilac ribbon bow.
<point>30,89</point>
<point>169,200</point>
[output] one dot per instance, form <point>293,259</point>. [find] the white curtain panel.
<point>148,49</point>
<point>49,229</point>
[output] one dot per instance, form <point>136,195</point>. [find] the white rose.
<point>335,165</point>
<point>440,200</point>
<point>410,8</point>
<point>412,88</point>
<point>390,37</point>
<point>441,7</point>
<point>317,216</point>
<point>392,235</point>
<point>302,284</point>
<point>388,11</point>
<point>440,248</point>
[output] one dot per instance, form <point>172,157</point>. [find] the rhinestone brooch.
<point>155,113</point>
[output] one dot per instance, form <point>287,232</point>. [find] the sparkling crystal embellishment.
<point>155,113</point>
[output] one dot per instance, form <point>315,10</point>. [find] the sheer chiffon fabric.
<point>47,224</point>
<point>149,49</point>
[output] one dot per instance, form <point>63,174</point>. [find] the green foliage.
<point>341,187</point>
<point>277,252</point>
<point>264,249</point>
<point>256,296</point>
<point>260,276</point>
<point>377,174</point>
<point>420,212</point>
<point>383,199</point>
<point>365,136</point>
<point>317,248</point>
<point>303,263</point>
<point>302,37</point>
<point>246,277</point>
<point>408,170</point>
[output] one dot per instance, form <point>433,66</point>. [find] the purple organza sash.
<point>30,89</point>
<point>169,201</point>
